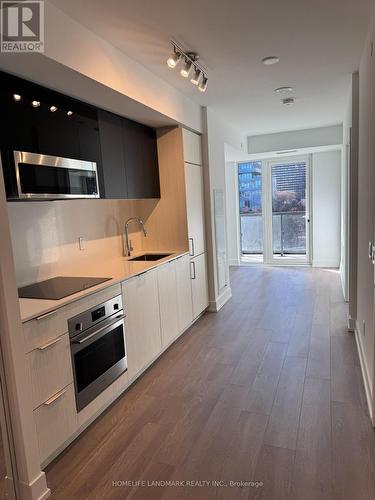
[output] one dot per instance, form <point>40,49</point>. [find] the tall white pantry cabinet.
<point>195,218</point>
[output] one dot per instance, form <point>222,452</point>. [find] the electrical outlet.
<point>81,243</point>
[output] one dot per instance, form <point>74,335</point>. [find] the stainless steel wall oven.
<point>98,349</point>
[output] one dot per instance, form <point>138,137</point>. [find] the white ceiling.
<point>319,43</point>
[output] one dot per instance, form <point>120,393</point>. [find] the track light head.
<point>174,59</point>
<point>186,68</point>
<point>203,85</point>
<point>196,76</point>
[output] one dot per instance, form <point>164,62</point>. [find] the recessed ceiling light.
<point>69,113</point>
<point>53,109</point>
<point>35,104</point>
<point>288,101</point>
<point>268,61</point>
<point>284,90</point>
<point>17,97</point>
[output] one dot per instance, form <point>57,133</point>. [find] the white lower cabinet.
<point>56,421</point>
<point>184,295</point>
<point>167,284</point>
<point>142,322</point>
<point>199,284</point>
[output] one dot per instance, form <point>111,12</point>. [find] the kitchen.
<point>107,224</point>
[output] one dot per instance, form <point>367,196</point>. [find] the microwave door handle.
<point>93,334</point>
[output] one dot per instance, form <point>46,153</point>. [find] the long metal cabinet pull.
<point>54,398</point>
<point>192,253</point>
<point>194,275</point>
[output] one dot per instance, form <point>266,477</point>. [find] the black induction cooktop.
<point>58,287</point>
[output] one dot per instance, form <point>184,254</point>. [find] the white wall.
<point>351,133</point>
<point>366,211</point>
<point>345,185</point>
<point>295,139</point>
<point>326,208</point>
<point>217,133</point>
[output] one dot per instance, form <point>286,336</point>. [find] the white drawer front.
<point>44,329</point>
<point>50,368</point>
<point>56,421</point>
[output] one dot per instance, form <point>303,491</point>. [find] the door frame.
<point>268,255</point>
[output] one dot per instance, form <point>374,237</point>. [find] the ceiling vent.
<point>288,101</point>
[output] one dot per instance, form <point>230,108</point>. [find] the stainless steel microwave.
<point>43,177</point>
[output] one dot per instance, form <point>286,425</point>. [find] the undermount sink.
<point>151,256</point>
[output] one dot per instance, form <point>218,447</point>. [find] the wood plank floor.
<point>267,391</point>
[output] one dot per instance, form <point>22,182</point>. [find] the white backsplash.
<point>45,235</point>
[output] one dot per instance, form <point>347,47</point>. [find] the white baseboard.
<point>234,262</point>
<point>36,490</point>
<point>365,372</point>
<point>333,264</point>
<point>351,324</point>
<point>217,304</point>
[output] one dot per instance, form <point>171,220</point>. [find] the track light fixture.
<point>189,67</point>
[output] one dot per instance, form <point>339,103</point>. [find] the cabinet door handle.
<point>46,315</point>
<point>49,344</point>
<point>193,277</point>
<point>54,398</point>
<point>192,251</point>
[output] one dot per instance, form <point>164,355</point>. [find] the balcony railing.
<point>288,233</point>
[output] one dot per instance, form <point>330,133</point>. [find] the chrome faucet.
<point>128,244</point>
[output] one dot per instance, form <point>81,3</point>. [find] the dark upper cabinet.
<point>141,160</point>
<point>113,175</point>
<point>125,151</point>
<point>129,158</point>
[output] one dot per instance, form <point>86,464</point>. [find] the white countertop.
<point>118,270</point>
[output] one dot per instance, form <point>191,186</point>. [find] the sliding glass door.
<point>274,211</point>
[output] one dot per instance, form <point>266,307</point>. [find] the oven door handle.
<point>93,334</point>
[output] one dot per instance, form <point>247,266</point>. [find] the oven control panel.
<point>95,315</point>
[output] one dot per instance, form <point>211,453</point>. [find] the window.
<point>250,199</point>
